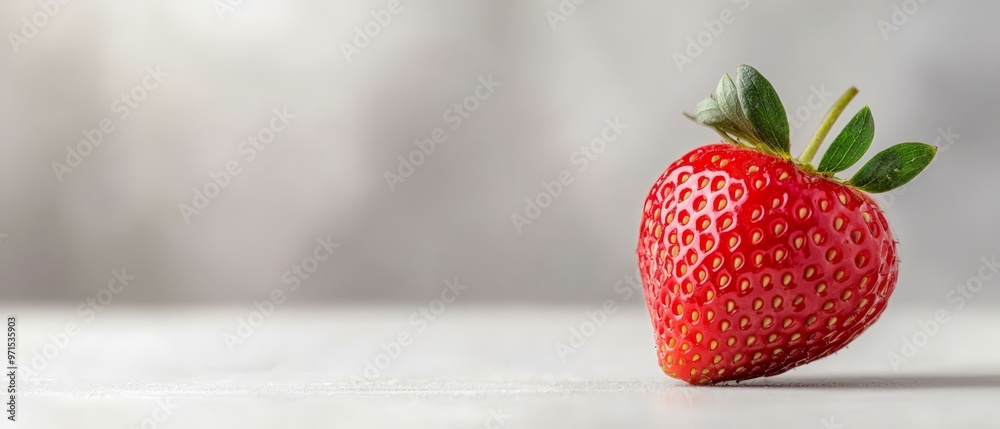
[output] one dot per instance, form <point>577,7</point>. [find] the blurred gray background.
<point>324,175</point>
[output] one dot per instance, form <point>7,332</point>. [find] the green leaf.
<point>763,109</point>
<point>709,113</point>
<point>851,144</point>
<point>893,167</point>
<point>729,103</point>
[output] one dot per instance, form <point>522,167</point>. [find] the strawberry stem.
<point>824,127</point>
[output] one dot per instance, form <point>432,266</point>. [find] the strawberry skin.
<point>752,265</point>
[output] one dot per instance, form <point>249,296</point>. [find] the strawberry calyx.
<point>749,113</point>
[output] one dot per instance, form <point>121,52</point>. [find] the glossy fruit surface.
<point>752,265</point>
<point>753,262</point>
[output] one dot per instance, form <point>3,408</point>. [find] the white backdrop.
<point>347,113</point>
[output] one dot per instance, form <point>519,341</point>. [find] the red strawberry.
<point>754,263</point>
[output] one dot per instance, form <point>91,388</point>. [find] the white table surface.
<point>472,363</point>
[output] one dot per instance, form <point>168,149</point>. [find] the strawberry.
<point>753,262</point>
